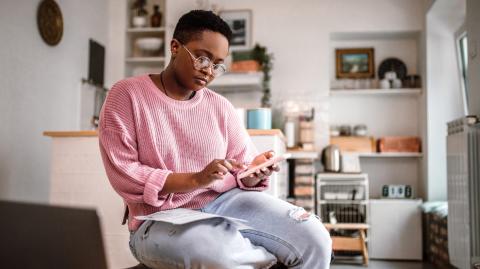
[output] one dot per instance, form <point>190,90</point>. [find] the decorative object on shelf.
<point>355,63</point>
<point>265,60</point>
<point>259,118</point>
<point>331,158</point>
<point>139,14</point>
<point>412,81</point>
<point>345,130</point>
<point>360,130</point>
<point>392,64</point>
<point>334,130</point>
<point>384,84</point>
<point>397,191</point>
<point>240,22</point>
<point>156,18</point>
<point>149,46</point>
<point>390,80</point>
<point>399,144</point>
<point>50,22</point>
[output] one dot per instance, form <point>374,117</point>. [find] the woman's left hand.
<point>263,173</point>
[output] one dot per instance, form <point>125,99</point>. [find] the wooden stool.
<point>350,243</point>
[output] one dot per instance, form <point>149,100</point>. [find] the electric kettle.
<point>331,158</point>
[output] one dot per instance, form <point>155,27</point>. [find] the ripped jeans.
<point>280,232</point>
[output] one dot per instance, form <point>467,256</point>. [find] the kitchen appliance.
<point>331,158</point>
<point>397,191</point>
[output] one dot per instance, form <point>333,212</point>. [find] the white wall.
<point>473,29</point>
<point>444,99</point>
<point>297,33</point>
<point>40,89</point>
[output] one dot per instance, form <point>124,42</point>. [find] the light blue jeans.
<point>297,242</point>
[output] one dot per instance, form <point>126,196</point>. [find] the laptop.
<point>44,236</point>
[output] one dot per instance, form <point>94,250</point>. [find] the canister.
<point>259,118</point>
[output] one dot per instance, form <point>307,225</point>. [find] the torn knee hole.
<point>299,214</point>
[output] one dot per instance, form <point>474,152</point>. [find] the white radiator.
<point>463,169</point>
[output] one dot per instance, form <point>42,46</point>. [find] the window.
<point>462,56</point>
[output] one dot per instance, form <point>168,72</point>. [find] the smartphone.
<point>270,162</point>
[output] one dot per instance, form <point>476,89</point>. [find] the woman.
<point>169,142</point>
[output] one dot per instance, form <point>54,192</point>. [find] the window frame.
<point>460,34</point>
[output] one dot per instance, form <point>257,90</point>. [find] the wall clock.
<point>50,22</point>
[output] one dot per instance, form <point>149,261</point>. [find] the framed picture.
<point>355,63</point>
<point>240,21</point>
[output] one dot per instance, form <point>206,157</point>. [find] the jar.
<point>360,130</point>
<point>156,18</point>
<point>345,130</point>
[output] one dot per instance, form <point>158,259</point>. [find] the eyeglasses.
<point>203,62</point>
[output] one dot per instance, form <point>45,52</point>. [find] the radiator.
<point>463,172</point>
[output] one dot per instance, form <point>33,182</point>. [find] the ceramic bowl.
<point>149,44</point>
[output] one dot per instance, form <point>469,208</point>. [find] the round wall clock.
<point>50,22</point>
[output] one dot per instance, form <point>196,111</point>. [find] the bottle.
<point>156,18</point>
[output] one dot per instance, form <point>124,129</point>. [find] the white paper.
<point>181,216</point>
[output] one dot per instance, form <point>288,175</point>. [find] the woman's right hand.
<point>216,170</point>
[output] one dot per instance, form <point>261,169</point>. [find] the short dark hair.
<point>193,23</point>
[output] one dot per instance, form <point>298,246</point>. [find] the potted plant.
<point>265,59</point>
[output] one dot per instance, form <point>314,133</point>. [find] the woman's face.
<point>212,45</point>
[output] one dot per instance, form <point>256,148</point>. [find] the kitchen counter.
<point>87,133</point>
<point>78,179</point>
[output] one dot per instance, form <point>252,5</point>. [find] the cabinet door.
<point>395,229</point>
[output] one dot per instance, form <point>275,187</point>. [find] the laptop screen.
<point>43,236</point>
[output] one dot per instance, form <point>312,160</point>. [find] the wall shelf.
<point>146,30</point>
<point>349,92</point>
<point>391,154</point>
<point>145,59</point>
<point>235,82</point>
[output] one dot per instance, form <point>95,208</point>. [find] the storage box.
<point>354,143</point>
<point>399,144</point>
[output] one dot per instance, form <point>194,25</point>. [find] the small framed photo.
<point>355,63</point>
<point>240,21</point>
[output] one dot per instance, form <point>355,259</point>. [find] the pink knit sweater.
<point>145,135</point>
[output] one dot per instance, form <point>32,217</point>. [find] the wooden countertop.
<point>89,133</point>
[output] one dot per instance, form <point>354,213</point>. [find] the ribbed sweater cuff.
<point>153,186</point>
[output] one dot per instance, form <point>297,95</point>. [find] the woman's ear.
<point>174,47</point>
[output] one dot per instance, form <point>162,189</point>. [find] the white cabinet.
<point>278,181</point>
<point>395,229</point>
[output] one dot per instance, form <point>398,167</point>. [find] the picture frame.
<point>355,63</point>
<point>240,22</point>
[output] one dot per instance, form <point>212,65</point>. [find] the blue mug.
<point>259,118</point>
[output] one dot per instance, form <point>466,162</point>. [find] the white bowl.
<point>149,43</point>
